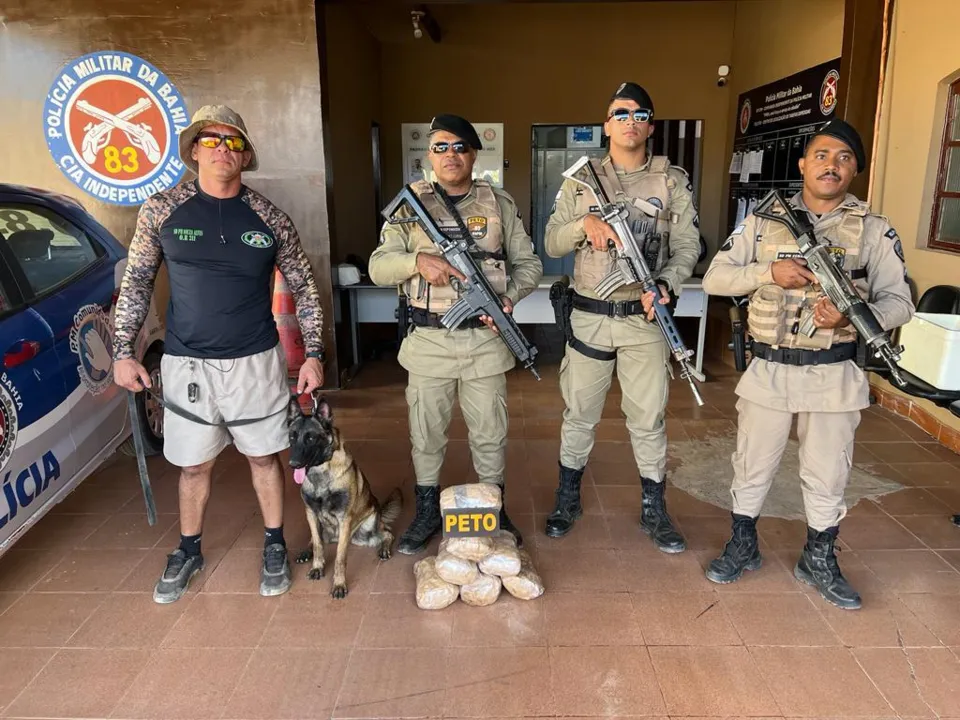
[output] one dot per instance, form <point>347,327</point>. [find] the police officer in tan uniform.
<point>471,361</point>
<point>814,378</point>
<point>620,331</point>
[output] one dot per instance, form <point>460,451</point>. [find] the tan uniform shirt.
<point>564,231</point>
<point>472,353</point>
<point>838,387</point>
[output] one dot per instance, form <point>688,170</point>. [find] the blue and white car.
<point>61,414</point>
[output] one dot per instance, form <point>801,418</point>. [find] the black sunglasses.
<point>640,115</point>
<point>459,147</point>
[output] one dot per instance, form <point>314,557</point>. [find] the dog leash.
<point>176,409</point>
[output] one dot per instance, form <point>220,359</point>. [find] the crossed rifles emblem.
<point>97,135</point>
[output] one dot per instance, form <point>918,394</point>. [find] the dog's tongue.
<point>299,475</point>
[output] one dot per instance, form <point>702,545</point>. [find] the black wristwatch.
<point>321,355</point>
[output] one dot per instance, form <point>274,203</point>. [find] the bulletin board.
<point>773,125</point>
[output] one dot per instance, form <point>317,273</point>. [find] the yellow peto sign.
<point>471,522</point>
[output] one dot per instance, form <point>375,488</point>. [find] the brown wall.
<point>353,96</point>
<point>260,57</point>
<point>924,58</point>
<point>776,38</point>
<point>546,63</point>
<point>522,64</point>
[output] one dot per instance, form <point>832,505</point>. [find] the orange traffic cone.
<point>291,338</point>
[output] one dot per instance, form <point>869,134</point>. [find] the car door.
<point>69,277</point>
<point>37,451</point>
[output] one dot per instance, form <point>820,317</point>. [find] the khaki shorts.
<point>248,387</point>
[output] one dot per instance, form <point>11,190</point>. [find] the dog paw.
<point>305,556</point>
<point>315,574</point>
<point>384,553</point>
<point>339,592</point>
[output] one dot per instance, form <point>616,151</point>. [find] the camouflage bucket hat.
<point>215,115</point>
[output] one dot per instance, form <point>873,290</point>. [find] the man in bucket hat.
<point>224,370</point>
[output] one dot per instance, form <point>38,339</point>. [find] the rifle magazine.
<point>454,317</point>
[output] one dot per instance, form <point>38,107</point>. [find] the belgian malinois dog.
<point>340,505</point>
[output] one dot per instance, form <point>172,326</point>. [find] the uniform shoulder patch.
<point>728,244</point>
<point>897,245</point>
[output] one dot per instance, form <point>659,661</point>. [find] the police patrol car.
<point>61,415</point>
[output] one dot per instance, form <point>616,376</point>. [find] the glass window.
<point>48,248</point>
<point>945,223</point>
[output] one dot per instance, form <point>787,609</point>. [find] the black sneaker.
<point>176,576</point>
<point>275,577</point>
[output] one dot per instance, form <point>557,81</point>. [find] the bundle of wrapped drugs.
<point>475,560</point>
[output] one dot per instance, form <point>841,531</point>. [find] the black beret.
<point>845,132</point>
<point>459,127</point>
<point>632,91</point>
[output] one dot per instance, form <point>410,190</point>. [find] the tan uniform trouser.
<point>484,406</point>
<point>826,455</point>
<point>644,381</point>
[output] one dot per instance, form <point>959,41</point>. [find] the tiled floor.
<point>622,630</point>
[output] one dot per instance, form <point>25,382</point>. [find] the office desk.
<point>374,304</point>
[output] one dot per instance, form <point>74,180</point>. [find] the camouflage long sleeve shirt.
<point>220,257</point>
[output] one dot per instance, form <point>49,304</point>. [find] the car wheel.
<point>149,411</point>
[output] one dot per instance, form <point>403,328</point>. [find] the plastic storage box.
<point>931,349</point>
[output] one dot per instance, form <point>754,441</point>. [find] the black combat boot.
<point>426,523</point>
<point>654,520</point>
<point>741,552</point>
<point>818,567</point>
<point>567,508</point>
<point>505,523</point>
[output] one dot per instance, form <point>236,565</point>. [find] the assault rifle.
<point>477,296</point>
<point>630,268</point>
<point>833,281</point>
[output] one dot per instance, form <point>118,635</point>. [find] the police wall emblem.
<point>257,239</point>
<point>111,122</point>
<point>828,92</point>
<point>477,226</point>
<point>91,339</point>
<point>745,113</point>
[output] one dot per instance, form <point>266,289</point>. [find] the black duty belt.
<point>799,356</point>
<point>623,308</point>
<point>422,318</point>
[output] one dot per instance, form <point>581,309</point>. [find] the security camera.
<point>416,16</point>
<point>723,71</point>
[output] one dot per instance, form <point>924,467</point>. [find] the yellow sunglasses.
<point>212,140</point>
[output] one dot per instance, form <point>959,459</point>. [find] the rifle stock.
<point>834,282</point>
<point>477,295</point>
